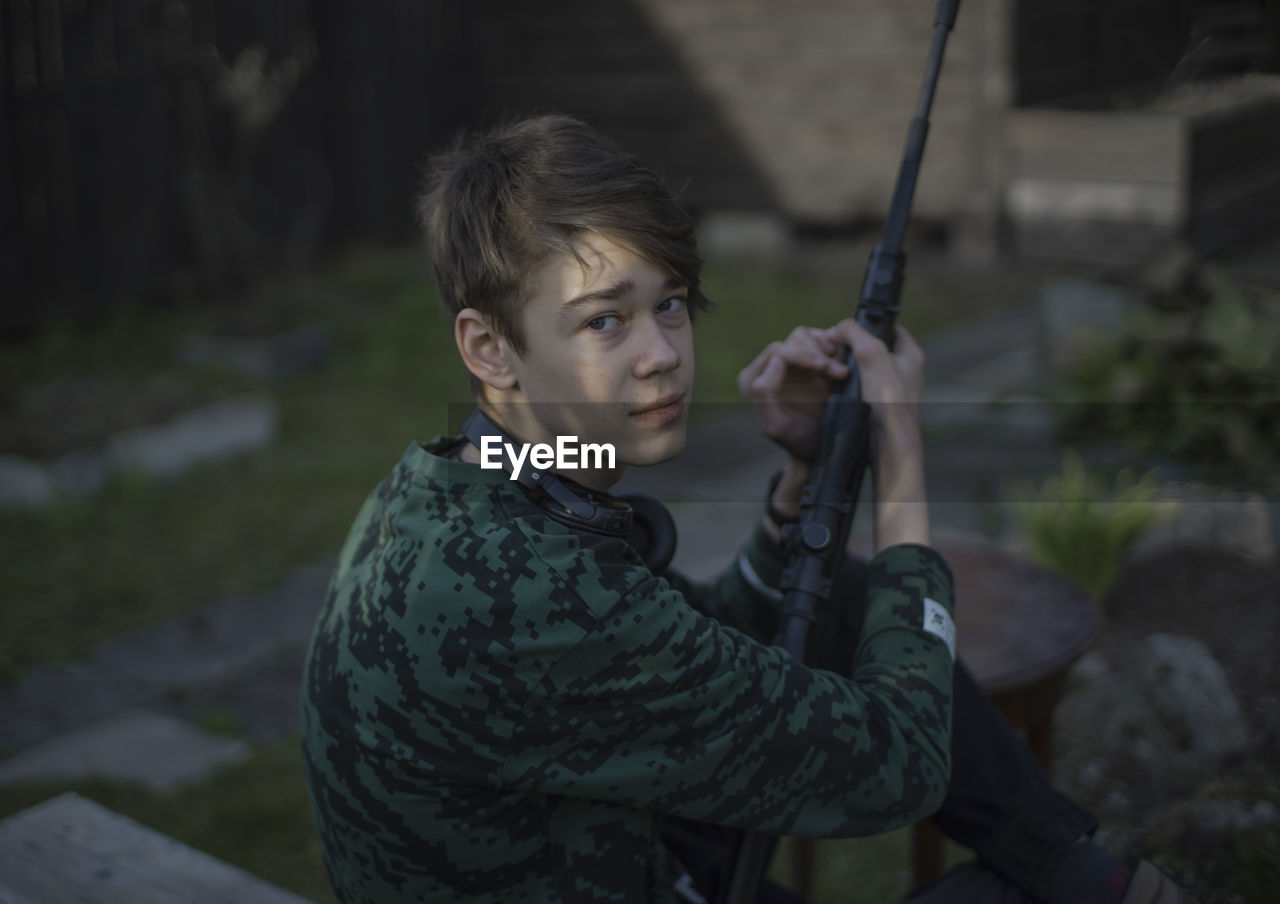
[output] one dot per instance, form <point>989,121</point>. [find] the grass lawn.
<point>83,571</point>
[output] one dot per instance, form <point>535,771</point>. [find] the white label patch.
<point>937,621</point>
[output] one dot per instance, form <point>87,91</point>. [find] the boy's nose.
<point>658,353</point>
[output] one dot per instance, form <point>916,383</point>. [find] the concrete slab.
<point>209,433</point>
<point>161,450</point>
<point>72,849</point>
<point>135,746</point>
<point>9,896</point>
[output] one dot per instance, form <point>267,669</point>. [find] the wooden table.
<point>1019,627</point>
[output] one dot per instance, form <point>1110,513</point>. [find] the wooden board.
<point>1089,143</point>
<point>72,849</point>
<point>1095,242</point>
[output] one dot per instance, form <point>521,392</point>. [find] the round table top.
<point>1016,622</point>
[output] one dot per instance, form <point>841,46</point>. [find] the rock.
<point>1170,720</point>
<point>25,483</point>
<point>1077,315</point>
<point>1135,740</point>
<point>205,434</point>
<point>1190,693</point>
<point>1214,518</point>
<point>1221,817</point>
<point>81,473</point>
<point>267,358</point>
<point>210,433</point>
<point>1213,830</point>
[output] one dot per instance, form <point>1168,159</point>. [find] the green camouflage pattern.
<point>498,708</point>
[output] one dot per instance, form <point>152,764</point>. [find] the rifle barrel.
<point>843,448</point>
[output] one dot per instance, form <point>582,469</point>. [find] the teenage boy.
<point>503,701</point>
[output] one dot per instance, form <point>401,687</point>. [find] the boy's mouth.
<point>663,411</point>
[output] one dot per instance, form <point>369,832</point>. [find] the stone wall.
<point>820,94</point>
<point>800,107</point>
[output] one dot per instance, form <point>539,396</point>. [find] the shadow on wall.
<point>607,64</point>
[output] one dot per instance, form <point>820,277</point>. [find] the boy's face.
<point>608,357</point>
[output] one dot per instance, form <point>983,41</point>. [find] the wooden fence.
<point>152,145</point>
<point>148,146</point>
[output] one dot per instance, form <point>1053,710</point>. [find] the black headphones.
<point>641,520</point>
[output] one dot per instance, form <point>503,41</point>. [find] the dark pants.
<point>1000,803</point>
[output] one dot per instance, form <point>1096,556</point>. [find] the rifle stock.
<point>816,543</point>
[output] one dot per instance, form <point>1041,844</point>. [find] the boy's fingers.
<point>905,342</point>
<point>866,347</point>
<point>849,333</point>
<point>807,348</point>
<point>811,336</point>
<point>748,374</point>
<point>805,355</point>
<point>771,376</point>
<point>762,378</point>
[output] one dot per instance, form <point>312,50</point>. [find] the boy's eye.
<point>672,304</point>
<point>601,323</point>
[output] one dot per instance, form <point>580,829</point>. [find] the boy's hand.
<point>789,382</point>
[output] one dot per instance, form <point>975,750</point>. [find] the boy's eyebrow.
<point>620,289</point>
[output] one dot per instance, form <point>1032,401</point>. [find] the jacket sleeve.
<point>664,709</point>
<point>744,595</point>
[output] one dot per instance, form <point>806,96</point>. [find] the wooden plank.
<point>70,848</point>
<point>1031,199</point>
<point>1119,165</point>
<point>1147,134</point>
<point>1088,241</point>
<point>1060,144</point>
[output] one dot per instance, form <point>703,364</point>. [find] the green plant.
<point>1077,526</point>
<point>1194,374</point>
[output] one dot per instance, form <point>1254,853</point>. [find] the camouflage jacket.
<point>498,708</point>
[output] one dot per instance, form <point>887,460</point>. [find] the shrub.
<point>1195,375</point>
<point>1076,526</point>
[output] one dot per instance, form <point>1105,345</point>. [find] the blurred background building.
<point>149,147</point>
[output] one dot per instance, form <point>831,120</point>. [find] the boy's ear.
<point>484,352</point>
